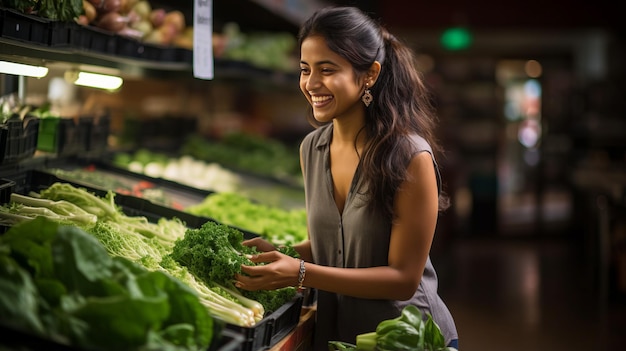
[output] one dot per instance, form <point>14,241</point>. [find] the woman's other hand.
<point>278,271</point>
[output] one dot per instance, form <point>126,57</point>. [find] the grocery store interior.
<point>532,253</point>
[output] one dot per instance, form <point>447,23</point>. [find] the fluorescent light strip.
<point>19,69</point>
<point>100,81</point>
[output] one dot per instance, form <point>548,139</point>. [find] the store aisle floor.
<point>527,295</point>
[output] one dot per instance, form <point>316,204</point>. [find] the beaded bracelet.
<point>301,274</point>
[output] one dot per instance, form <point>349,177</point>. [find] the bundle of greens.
<point>73,292</point>
<point>214,253</point>
<point>408,332</point>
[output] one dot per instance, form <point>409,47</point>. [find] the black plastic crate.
<point>128,47</point>
<point>150,52</point>
<point>169,54</point>
<point>7,186</point>
<point>227,340</point>
<point>285,319</point>
<point>18,138</point>
<point>99,134</point>
<point>15,25</point>
<point>79,36</point>
<point>185,55</point>
<point>100,40</point>
<point>60,33</point>
<point>272,328</point>
<point>63,136</point>
<point>84,126</point>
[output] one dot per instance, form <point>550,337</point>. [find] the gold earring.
<point>367,96</point>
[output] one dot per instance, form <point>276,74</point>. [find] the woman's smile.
<point>319,101</point>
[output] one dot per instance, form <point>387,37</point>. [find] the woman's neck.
<point>347,131</point>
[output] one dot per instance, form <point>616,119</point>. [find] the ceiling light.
<point>94,80</point>
<point>19,69</point>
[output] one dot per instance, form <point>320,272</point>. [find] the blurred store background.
<point>532,253</point>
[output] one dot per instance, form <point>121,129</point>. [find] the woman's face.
<point>328,82</point>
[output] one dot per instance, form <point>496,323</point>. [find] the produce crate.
<point>128,47</point>
<point>61,33</point>
<point>99,133</point>
<point>18,138</point>
<point>63,136</point>
<point>100,40</point>
<point>272,328</point>
<point>185,55</point>
<point>7,186</point>
<point>227,340</point>
<point>15,25</point>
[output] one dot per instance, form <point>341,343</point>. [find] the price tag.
<point>203,39</point>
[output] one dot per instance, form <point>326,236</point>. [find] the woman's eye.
<point>304,70</point>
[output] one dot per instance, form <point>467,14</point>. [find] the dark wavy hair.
<point>402,104</point>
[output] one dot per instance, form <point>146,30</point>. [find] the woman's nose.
<point>312,82</point>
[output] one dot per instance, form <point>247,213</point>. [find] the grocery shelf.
<point>28,53</point>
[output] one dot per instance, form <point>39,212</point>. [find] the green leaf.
<point>18,297</point>
<point>29,244</point>
<point>80,261</point>
<point>412,315</point>
<point>402,336</point>
<point>433,338</point>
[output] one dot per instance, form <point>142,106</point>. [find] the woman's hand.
<point>279,271</point>
<point>261,244</point>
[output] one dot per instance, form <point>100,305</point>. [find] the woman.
<point>372,185</point>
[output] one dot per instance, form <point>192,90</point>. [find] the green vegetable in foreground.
<point>408,332</point>
<point>73,292</point>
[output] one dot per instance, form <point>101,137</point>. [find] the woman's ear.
<point>372,73</point>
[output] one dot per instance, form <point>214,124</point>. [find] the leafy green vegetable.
<point>214,253</point>
<point>23,312</point>
<point>95,301</point>
<point>279,226</point>
<point>105,208</point>
<point>248,152</point>
<point>409,331</point>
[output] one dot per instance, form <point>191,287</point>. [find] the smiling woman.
<point>372,183</point>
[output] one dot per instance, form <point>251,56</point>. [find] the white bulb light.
<point>94,80</point>
<point>19,69</point>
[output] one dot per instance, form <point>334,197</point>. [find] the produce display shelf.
<point>263,335</point>
<point>272,328</point>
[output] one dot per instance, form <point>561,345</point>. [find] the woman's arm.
<point>416,208</point>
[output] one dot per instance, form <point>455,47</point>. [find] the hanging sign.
<point>203,39</point>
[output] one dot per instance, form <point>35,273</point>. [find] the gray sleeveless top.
<point>356,239</point>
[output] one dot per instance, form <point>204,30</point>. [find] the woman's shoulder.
<point>420,143</point>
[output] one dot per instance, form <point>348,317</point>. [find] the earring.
<point>367,96</point>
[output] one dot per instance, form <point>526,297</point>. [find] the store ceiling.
<point>554,14</point>
<point>419,14</point>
